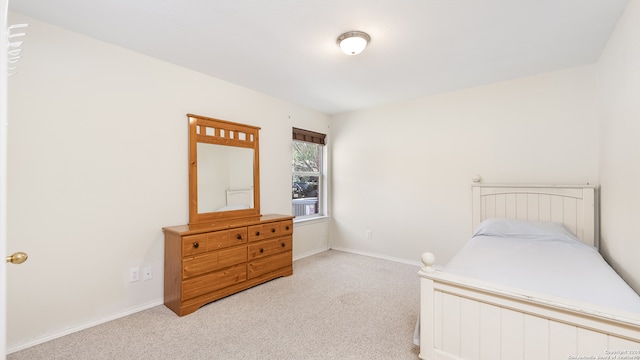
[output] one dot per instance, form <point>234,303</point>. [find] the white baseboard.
<point>400,260</point>
<point>71,330</point>
<point>307,254</point>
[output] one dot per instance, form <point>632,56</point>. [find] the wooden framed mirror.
<point>224,170</point>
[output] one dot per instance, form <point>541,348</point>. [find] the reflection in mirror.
<point>225,178</point>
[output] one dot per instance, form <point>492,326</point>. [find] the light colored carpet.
<point>336,305</point>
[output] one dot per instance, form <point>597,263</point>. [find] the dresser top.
<point>225,224</point>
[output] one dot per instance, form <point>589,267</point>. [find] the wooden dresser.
<point>206,262</point>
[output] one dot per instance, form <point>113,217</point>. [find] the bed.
<point>238,199</point>
<point>529,284</point>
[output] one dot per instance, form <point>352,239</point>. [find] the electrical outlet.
<point>146,273</point>
<point>134,274</point>
<point>367,234</point>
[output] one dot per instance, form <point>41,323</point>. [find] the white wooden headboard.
<point>575,206</point>
<point>240,197</point>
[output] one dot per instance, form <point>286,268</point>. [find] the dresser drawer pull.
<point>196,245</point>
<point>287,227</point>
<point>283,245</point>
<point>257,233</point>
<point>261,250</point>
<point>239,237</point>
<point>273,230</point>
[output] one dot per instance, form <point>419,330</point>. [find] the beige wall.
<point>404,171</point>
<point>98,165</point>
<point>619,79</point>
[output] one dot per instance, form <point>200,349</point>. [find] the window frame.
<point>319,139</point>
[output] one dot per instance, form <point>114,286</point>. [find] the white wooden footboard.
<point>461,318</point>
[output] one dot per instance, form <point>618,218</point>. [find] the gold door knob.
<point>17,258</point>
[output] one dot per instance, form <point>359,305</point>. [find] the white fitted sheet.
<point>545,258</point>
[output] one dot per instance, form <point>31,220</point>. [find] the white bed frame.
<point>462,318</point>
<point>240,197</point>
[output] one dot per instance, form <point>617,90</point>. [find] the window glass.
<point>306,179</point>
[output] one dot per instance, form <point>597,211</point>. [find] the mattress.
<point>546,258</point>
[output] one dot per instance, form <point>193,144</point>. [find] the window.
<point>307,173</point>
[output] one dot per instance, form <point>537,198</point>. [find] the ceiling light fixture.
<point>353,42</point>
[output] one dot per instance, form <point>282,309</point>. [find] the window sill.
<point>321,218</point>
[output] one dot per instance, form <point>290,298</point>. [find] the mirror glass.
<point>225,178</point>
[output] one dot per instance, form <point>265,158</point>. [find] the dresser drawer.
<point>238,236</point>
<point>263,231</point>
<point>286,227</point>
<point>214,240</point>
<point>194,244</point>
<point>201,243</point>
<point>266,265</point>
<point>212,261</point>
<point>213,281</point>
<point>270,230</point>
<point>269,247</point>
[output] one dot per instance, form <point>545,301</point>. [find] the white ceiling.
<point>287,48</point>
